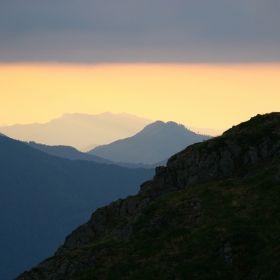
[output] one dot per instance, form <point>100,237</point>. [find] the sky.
<point>201,63</point>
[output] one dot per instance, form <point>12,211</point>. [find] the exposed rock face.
<point>226,252</point>
<point>102,218</point>
<point>277,177</point>
<point>218,163</point>
<point>219,158</point>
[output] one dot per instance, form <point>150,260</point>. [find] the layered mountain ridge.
<point>73,154</point>
<point>212,213</point>
<point>43,198</point>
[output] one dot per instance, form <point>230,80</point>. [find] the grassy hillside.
<point>214,231</point>
<point>223,225</point>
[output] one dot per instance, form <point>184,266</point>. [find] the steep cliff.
<point>212,213</point>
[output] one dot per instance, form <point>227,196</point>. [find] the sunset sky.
<point>200,63</point>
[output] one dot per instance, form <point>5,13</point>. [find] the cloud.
<point>140,31</point>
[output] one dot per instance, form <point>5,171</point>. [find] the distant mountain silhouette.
<point>1,134</point>
<point>67,152</point>
<point>43,198</point>
<point>156,142</point>
<point>73,154</point>
<point>79,130</point>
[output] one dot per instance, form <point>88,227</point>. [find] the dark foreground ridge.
<point>212,213</point>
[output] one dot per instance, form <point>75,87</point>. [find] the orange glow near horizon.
<point>214,96</point>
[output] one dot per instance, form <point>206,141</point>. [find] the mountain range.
<point>156,142</point>
<point>212,213</point>
<point>85,132</point>
<point>73,154</point>
<point>44,197</point>
<point>79,130</point>
<point>152,145</point>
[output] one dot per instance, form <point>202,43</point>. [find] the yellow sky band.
<point>201,95</point>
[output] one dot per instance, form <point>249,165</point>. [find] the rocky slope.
<point>212,213</point>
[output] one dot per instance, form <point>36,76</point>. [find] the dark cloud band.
<point>140,31</point>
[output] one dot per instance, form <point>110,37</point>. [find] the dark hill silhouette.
<point>73,154</point>
<point>67,152</point>
<point>1,134</point>
<point>156,142</point>
<point>43,198</point>
<point>212,213</point>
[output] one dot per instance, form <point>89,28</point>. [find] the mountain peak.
<point>154,143</point>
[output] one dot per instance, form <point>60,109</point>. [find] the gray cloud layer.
<point>140,31</point>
